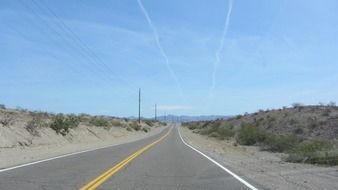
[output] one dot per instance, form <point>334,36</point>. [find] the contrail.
<point>159,46</point>
<point>220,48</point>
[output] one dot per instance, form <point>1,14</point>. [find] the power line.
<point>81,43</point>
<point>155,112</point>
<point>95,71</point>
<point>53,30</point>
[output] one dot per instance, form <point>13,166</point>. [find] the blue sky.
<point>92,56</point>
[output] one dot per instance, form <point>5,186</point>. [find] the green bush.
<point>279,143</point>
<point>248,135</point>
<point>314,152</point>
<point>134,125</point>
<point>298,130</point>
<point>145,130</point>
<point>207,130</point>
<point>62,125</point>
<point>149,122</point>
<point>225,133</point>
<point>39,114</point>
<point>99,121</point>
<point>116,123</point>
<point>190,126</point>
<point>312,146</point>
<point>215,129</point>
<point>7,120</point>
<point>33,125</point>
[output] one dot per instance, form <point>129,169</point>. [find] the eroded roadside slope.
<point>29,136</point>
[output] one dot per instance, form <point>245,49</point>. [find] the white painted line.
<point>219,165</point>
<point>53,158</point>
<point>64,155</point>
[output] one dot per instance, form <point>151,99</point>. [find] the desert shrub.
<point>248,135</point>
<point>314,152</point>
<point>129,129</point>
<point>37,122</point>
<point>145,130</point>
<point>6,120</point>
<point>73,120</point>
<point>312,146</point>
<point>208,128</point>
<point>99,121</point>
<point>298,130</point>
<point>239,116</point>
<point>214,134</point>
<point>116,123</point>
<point>20,109</point>
<point>217,130</point>
<point>190,125</point>
<point>271,119</point>
<point>39,114</point>
<point>149,122</point>
<point>293,121</point>
<point>279,143</point>
<point>62,125</point>
<point>163,123</point>
<point>297,105</point>
<point>134,125</point>
<point>32,127</point>
<point>224,133</point>
<point>326,112</point>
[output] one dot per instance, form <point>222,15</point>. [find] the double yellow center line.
<point>103,177</point>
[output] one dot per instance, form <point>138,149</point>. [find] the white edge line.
<point>218,164</point>
<point>53,158</point>
<point>62,156</point>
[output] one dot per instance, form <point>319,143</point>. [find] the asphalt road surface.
<point>159,162</point>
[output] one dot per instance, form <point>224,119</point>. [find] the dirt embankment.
<point>264,169</point>
<point>306,122</point>
<point>26,137</point>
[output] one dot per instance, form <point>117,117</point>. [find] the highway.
<point>159,162</point>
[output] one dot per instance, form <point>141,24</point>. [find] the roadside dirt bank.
<point>17,146</point>
<point>265,169</point>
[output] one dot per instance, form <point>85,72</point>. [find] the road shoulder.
<point>263,168</point>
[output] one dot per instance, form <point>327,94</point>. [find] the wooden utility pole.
<point>139,105</point>
<point>155,112</point>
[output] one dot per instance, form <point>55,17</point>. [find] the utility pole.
<point>155,112</point>
<point>139,105</point>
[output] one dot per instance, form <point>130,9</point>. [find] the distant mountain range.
<point>185,118</point>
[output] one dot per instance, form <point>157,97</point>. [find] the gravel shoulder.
<point>265,169</point>
<point>48,144</point>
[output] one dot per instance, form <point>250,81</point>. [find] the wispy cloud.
<point>173,107</point>
<point>220,48</point>
<point>159,46</point>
